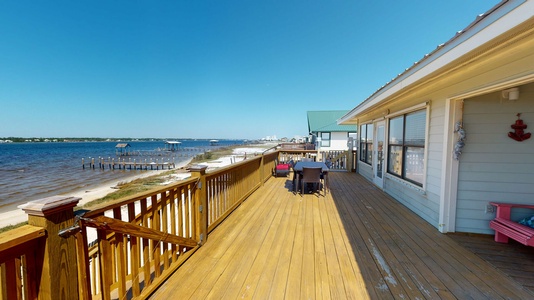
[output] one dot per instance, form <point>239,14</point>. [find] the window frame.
<point>364,146</point>
<point>323,144</point>
<point>404,145</point>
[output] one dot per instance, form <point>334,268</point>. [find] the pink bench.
<point>505,228</point>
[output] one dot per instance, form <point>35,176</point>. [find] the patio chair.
<point>311,176</point>
<point>282,169</point>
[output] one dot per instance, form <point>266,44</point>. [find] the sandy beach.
<point>12,217</point>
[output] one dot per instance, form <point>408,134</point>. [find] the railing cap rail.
<point>20,235</point>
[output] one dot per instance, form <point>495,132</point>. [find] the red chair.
<point>281,170</point>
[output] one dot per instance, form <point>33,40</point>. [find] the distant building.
<point>327,133</point>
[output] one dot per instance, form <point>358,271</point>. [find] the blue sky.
<point>205,69</point>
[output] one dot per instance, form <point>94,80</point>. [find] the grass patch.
<point>214,155</point>
<point>132,188</point>
<point>10,227</point>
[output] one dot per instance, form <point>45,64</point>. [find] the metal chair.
<point>311,175</point>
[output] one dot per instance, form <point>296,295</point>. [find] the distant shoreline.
<point>9,140</point>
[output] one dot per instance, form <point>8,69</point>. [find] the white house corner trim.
<point>449,169</point>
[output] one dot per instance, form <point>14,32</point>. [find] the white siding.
<point>365,170</point>
<point>494,167</point>
<point>338,141</point>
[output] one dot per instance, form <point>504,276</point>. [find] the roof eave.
<point>486,26</point>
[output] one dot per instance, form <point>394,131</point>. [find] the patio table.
<point>297,168</point>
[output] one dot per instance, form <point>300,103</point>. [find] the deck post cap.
<point>50,205</point>
<point>198,168</point>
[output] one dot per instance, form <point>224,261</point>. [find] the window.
<point>325,139</point>
<point>406,147</point>
<point>366,143</point>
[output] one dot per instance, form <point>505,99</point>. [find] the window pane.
<point>369,133</point>
<point>362,152</point>
<point>369,159</point>
<point>415,128</point>
<point>395,160</point>
<point>363,133</point>
<point>395,130</point>
<point>325,135</point>
<point>414,165</point>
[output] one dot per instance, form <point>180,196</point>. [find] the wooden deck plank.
<point>266,252</point>
<point>373,215</point>
<point>335,278</point>
<point>514,259</point>
<point>278,286</point>
<point>295,265</point>
<point>385,251</point>
<point>278,247</point>
<point>237,253</point>
<point>253,252</point>
<point>353,282</point>
<point>322,287</point>
<point>356,242</point>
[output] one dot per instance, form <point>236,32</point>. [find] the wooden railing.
<point>126,248</point>
<point>140,241</point>
<point>337,160</point>
<point>296,155</point>
<point>19,257</point>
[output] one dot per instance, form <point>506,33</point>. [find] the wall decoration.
<point>519,134</point>
<point>459,129</point>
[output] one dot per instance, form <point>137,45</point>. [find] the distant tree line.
<point>70,139</point>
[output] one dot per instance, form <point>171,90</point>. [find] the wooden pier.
<point>123,164</point>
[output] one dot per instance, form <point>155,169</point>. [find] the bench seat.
<point>514,230</point>
<point>506,228</point>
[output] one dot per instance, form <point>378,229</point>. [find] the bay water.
<point>31,171</point>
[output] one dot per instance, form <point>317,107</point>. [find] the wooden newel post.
<point>199,171</point>
<point>59,274</point>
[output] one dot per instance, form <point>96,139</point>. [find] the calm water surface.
<point>31,171</point>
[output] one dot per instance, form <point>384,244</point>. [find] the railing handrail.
<point>16,237</point>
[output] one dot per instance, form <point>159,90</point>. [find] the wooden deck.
<point>354,243</point>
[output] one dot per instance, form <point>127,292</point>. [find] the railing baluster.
<point>106,264</point>
<point>156,224</point>
<point>146,244</point>
<point>134,253</point>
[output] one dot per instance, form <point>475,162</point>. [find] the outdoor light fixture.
<point>511,94</point>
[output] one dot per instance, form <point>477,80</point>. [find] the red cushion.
<point>282,167</point>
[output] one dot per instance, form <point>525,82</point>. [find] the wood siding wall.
<point>494,167</point>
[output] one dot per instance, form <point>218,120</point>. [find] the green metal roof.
<point>326,121</point>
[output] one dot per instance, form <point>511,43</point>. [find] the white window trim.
<point>426,106</point>
<point>408,110</point>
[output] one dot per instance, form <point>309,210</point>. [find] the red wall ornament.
<point>519,133</point>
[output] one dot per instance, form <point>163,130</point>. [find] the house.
<point>329,134</point>
<point>439,137</point>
